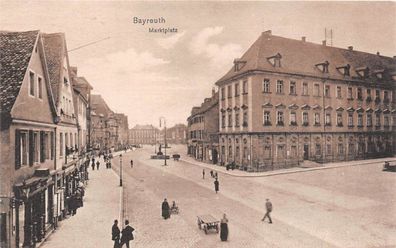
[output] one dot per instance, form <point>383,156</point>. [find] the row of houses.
<point>109,130</point>
<point>45,135</point>
<point>286,101</point>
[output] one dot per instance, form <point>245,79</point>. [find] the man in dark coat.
<point>93,164</point>
<point>216,184</point>
<point>97,165</point>
<point>268,206</point>
<point>115,234</point>
<point>127,234</point>
<point>165,209</point>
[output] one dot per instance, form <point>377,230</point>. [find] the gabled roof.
<point>15,52</point>
<point>300,57</point>
<point>100,106</point>
<point>55,49</point>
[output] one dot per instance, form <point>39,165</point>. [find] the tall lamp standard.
<point>163,118</point>
<point>120,170</point>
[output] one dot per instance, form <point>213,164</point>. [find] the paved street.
<point>341,207</point>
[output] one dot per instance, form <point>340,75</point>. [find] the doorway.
<point>306,151</point>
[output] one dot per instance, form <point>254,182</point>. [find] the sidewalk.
<point>238,173</point>
<point>91,226</point>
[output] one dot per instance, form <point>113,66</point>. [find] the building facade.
<point>203,128</point>
<point>144,135</point>
<point>176,134</point>
<point>286,101</point>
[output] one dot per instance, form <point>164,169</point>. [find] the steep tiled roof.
<point>15,51</point>
<point>206,105</point>
<point>54,47</point>
<point>300,57</point>
<point>100,106</point>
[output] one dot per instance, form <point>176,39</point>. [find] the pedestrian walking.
<point>93,164</point>
<point>216,184</point>
<point>115,234</point>
<point>165,209</point>
<point>211,173</point>
<point>203,174</point>
<point>224,228</point>
<point>216,175</point>
<point>127,234</point>
<point>131,163</point>
<point>268,206</point>
<point>97,165</point>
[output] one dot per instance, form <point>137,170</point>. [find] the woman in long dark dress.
<point>165,209</point>
<point>224,228</point>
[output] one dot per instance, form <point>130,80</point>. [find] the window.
<point>229,120</point>
<point>386,96</point>
<point>236,90</point>
<point>293,88</point>
<point>279,118</point>
<point>386,121</point>
<point>293,120</point>
<point>328,119</point>
<point>237,119</point>
<point>305,89</point>
<point>316,90</point>
<point>65,81</point>
<point>245,87</point>
<point>230,151</point>
<point>360,120</point>
<point>339,119</point>
<point>229,93</point>
<point>351,148</point>
<point>359,94</point>
<point>377,120</point>
<point>36,142</point>
<point>339,92</point>
<point>279,87</point>
<point>24,149</point>
<point>350,120</point>
<point>266,86</point>
<point>377,96</point>
<point>245,119</point>
<point>223,120</point>
<point>327,91</point>
<point>340,149</point>
<point>222,93</point>
<point>350,93</point>
<point>328,149</point>
<point>368,95</point>
<point>31,83</point>
<point>281,151</point>
<point>61,144</point>
<point>245,152</point>
<point>40,87</point>
<point>305,119</point>
<point>317,119</point>
<point>317,149</point>
<point>369,120</point>
<point>267,118</point>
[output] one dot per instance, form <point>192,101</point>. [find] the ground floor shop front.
<point>272,151</point>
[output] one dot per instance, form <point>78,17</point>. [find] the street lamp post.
<point>120,170</point>
<point>164,136</point>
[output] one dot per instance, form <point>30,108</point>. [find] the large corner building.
<point>286,101</point>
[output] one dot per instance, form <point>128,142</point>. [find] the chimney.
<point>304,39</point>
<point>378,53</point>
<point>268,32</point>
<point>324,42</point>
<point>350,48</point>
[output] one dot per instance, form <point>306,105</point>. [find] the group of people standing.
<point>215,176</point>
<point>126,234</point>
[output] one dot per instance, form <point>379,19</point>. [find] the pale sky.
<point>147,75</point>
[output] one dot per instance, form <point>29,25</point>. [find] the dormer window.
<point>238,64</point>
<point>65,81</point>
<point>275,60</point>
<point>344,70</point>
<point>323,67</point>
<point>363,72</point>
<point>379,73</point>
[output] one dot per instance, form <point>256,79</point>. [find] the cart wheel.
<point>217,228</point>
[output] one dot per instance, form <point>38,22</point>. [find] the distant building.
<point>144,134</point>
<point>176,134</point>
<point>123,129</point>
<point>203,128</point>
<point>286,101</point>
<point>103,126</point>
